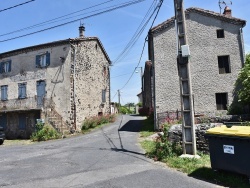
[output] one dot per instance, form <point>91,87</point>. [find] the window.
<point>4,90</point>
<point>22,90</point>
<point>104,95</point>
<point>43,60</point>
<point>224,64</point>
<point>220,33</point>
<point>221,101</point>
<point>5,66</point>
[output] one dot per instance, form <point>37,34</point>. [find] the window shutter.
<point>1,67</point>
<point>9,65</point>
<point>19,91</point>
<point>47,59</point>
<point>2,93</point>
<point>38,61</point>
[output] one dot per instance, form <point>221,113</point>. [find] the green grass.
<point>197,168</point>
<point>147,128</point>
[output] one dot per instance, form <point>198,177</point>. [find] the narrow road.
<point>107,158</point>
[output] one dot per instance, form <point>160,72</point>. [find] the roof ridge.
<point>201,11</point>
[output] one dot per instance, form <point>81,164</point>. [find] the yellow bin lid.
<point>241,131</point>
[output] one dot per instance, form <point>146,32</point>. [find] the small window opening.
<point>224,64</point>
<point>220,33</point>
<point>221,101</point>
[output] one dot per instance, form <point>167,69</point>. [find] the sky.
<point>115,29</point>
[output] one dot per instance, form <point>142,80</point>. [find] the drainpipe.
<point>74,78</point>
<point>242,46</point>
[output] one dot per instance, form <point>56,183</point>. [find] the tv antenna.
<point>221,2</point>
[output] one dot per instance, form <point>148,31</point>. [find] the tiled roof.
<point>203,12</point>
<point>53,44</point>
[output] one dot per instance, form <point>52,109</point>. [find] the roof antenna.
<point>225,3</point>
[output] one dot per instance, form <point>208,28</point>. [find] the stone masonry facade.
<point>77,85</point>
<point>205,48</point>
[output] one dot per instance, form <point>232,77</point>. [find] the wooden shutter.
<point>47,59</point>
<point>38,61</point>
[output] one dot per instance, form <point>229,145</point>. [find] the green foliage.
<point>164,148</point>
<point>139,104</point>
<point>148,127</point>
<point>124,110</point>
<point>244,82</point>
<point>44,132</point>
<point>93,122</point>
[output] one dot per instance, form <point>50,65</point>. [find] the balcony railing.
<point>24,104</point>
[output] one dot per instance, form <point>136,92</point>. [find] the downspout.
<point>74,78</point>
<point>151,57</point>
<point>242,46</point>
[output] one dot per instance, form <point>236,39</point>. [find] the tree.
<point>244,82</point>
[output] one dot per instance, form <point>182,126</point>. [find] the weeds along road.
<point>109,157</point>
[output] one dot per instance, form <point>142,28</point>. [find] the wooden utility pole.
<point>119,99</point>
<point>188,129</point>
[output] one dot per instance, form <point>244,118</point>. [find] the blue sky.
<point>114,29</point>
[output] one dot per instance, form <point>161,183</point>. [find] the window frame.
<point>221,101</point>
<point>224,64</point>
<point>4,92</point>
<point>43,60</point>
<point>5,66</point>
<point>22,88</point>
<point>103,95</point>
<point>220,33</point>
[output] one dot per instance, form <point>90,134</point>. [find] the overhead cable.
<point>86,17</point>
<point>16,5</point>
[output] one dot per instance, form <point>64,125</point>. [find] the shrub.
<point>124,110</point>
<point>146,111</point>
<point>164,148</point>
<point>92,122</point>
<point>44,132</point>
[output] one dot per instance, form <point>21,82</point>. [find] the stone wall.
<point>205,48</point>
<point>91,79</point>
<point>175,134</point>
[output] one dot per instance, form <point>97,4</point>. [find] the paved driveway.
<point>107,158</point>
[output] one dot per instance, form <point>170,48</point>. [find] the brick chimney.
<point>227,12</point>
<point>81,31</point>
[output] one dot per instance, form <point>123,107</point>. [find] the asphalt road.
<point>107,158</point>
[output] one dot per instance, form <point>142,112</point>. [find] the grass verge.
<point>197,168</point>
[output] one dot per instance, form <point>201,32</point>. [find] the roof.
<point>53,44</point>
<point>203,12</point>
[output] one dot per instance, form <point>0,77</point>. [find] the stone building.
<point>61,82</point>
<point>217,55</point>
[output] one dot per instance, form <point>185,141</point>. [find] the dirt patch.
<point>17,142</point>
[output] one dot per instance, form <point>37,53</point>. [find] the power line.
<point>109,10</point>
<point>134,38</point>
<point>158,7</point>
<point>54,19</point>
<point>16,5</point>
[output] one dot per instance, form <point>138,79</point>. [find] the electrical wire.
<point>158,7</point>
<point>102,12</point>
<point>135,36</point>
<point>16,5</point>
<point>54,19</point>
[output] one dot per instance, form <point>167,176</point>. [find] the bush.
<point>124,110</point>
<point>44,132</point>
<point>146,111</point>
<point>164,148</point>
<point>92,122</point>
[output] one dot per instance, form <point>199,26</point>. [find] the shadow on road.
<point>132,126</point>
<point>221,178</point>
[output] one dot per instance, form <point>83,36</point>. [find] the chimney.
<point>81,31</point>
<point>227,12</point>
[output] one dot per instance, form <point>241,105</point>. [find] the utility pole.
<point>119,99</point>
<point>188,129</point>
